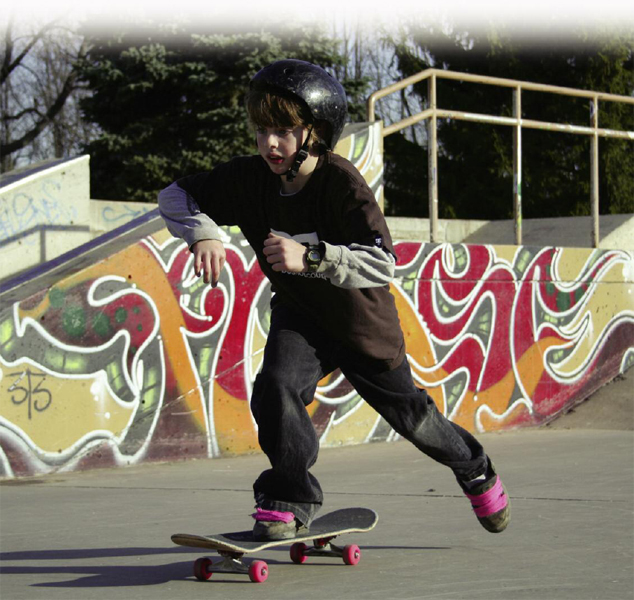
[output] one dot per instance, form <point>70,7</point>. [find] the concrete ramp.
<point>46,211</point>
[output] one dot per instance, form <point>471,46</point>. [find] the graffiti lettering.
<point>32,393</point>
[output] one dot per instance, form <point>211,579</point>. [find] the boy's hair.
<point>268,109</point>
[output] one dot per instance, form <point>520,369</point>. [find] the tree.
<point>169,98</point>
<point>39,89</point>
<point>475,161</point>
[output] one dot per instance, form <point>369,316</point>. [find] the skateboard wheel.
<point>258,571</point>
<point>298,555</point>
<point>201,569</point>
<point>352,554</point>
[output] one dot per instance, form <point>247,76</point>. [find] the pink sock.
<point>490,502</point>
<point>273,515</point>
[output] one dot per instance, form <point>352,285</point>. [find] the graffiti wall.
<point>136,359</point>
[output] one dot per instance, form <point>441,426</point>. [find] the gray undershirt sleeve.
<point>357,266</point>
<point>183,217</point>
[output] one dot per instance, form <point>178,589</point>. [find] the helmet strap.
<point>302,155</point>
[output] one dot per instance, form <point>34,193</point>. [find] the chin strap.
<point>302,155</point>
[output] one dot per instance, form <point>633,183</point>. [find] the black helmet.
<point>322,93</point>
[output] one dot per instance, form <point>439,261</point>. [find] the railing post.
<point>517,164</point>
<point>370,109</point>
<point>432,161</point>
<point>594,171</point>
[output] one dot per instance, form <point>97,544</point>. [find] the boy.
<point>322,241</point>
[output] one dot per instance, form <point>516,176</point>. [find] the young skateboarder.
<point>321,239</point>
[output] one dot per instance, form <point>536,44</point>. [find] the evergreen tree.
<point>475,160</point>
<point>169,98</point>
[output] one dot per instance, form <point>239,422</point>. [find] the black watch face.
<point>313,256</point>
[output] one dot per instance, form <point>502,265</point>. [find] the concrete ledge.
<point>617,231</point>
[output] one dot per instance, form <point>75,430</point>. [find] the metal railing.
<point>433,113</point>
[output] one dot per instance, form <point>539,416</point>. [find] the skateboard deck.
<point>233,546</point>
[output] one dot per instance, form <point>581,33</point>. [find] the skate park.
<point>125,418</point>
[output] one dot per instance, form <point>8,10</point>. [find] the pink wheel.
<point>351,554</point>
<point>258,571</point>
<point>297,553</point>
<point>201,569</point>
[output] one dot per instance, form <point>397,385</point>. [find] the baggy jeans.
<point>296,357</point>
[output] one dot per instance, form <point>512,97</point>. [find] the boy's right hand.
<point>209,258</point>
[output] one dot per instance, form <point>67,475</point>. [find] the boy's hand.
<point>285,254</point>
<point>209,257</point>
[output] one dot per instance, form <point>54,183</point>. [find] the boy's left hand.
<point>285,254</point>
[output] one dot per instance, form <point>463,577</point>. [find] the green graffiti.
<point>114,373</point>
<point>151,389</point>
<point>547,318</point>
<point>101,325</point>
<point>56,297</point>
<point>360,143</point>
<point>563,301</point>
<point>460,258</point>
<point>74,321</point>
<point>523,261</point>
<point>205,363</point>
<point>579,294</point>
<point>409,284</point>
<point>54,359</point>
<point>75,363</point>
<point>557,356</point>
<point>121,315</point>
<point>485,321</point>
<point>7,334</point>
<point>455,393</point>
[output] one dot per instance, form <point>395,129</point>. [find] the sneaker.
<point>489,500</point>
<point>274,525</point>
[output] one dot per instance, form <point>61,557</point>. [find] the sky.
<point>528,14</point>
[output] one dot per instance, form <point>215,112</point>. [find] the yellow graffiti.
<point>353,428</point>
<point>234,428</point>
<point>55,412</point>
<point>594,318</point>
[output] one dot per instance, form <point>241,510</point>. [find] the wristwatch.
<point>313,258</point>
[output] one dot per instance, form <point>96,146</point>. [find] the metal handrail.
<point>433,113</point>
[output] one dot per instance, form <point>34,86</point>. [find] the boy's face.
<point>279,145</point>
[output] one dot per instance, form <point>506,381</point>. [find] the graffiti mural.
<point>135,359</point>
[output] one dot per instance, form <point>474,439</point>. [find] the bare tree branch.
<point>32,98</point>
<point>22,113</point>
<point>8,66</point>
<point>51,113</point>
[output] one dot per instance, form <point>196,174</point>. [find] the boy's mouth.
<point>275,159</point>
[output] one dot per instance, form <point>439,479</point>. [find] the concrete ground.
<point>106,534</point>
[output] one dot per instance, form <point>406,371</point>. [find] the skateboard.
<point>233,546</point>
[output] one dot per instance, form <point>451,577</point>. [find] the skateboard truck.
<point>258,570</point>
<point>351,554</point>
